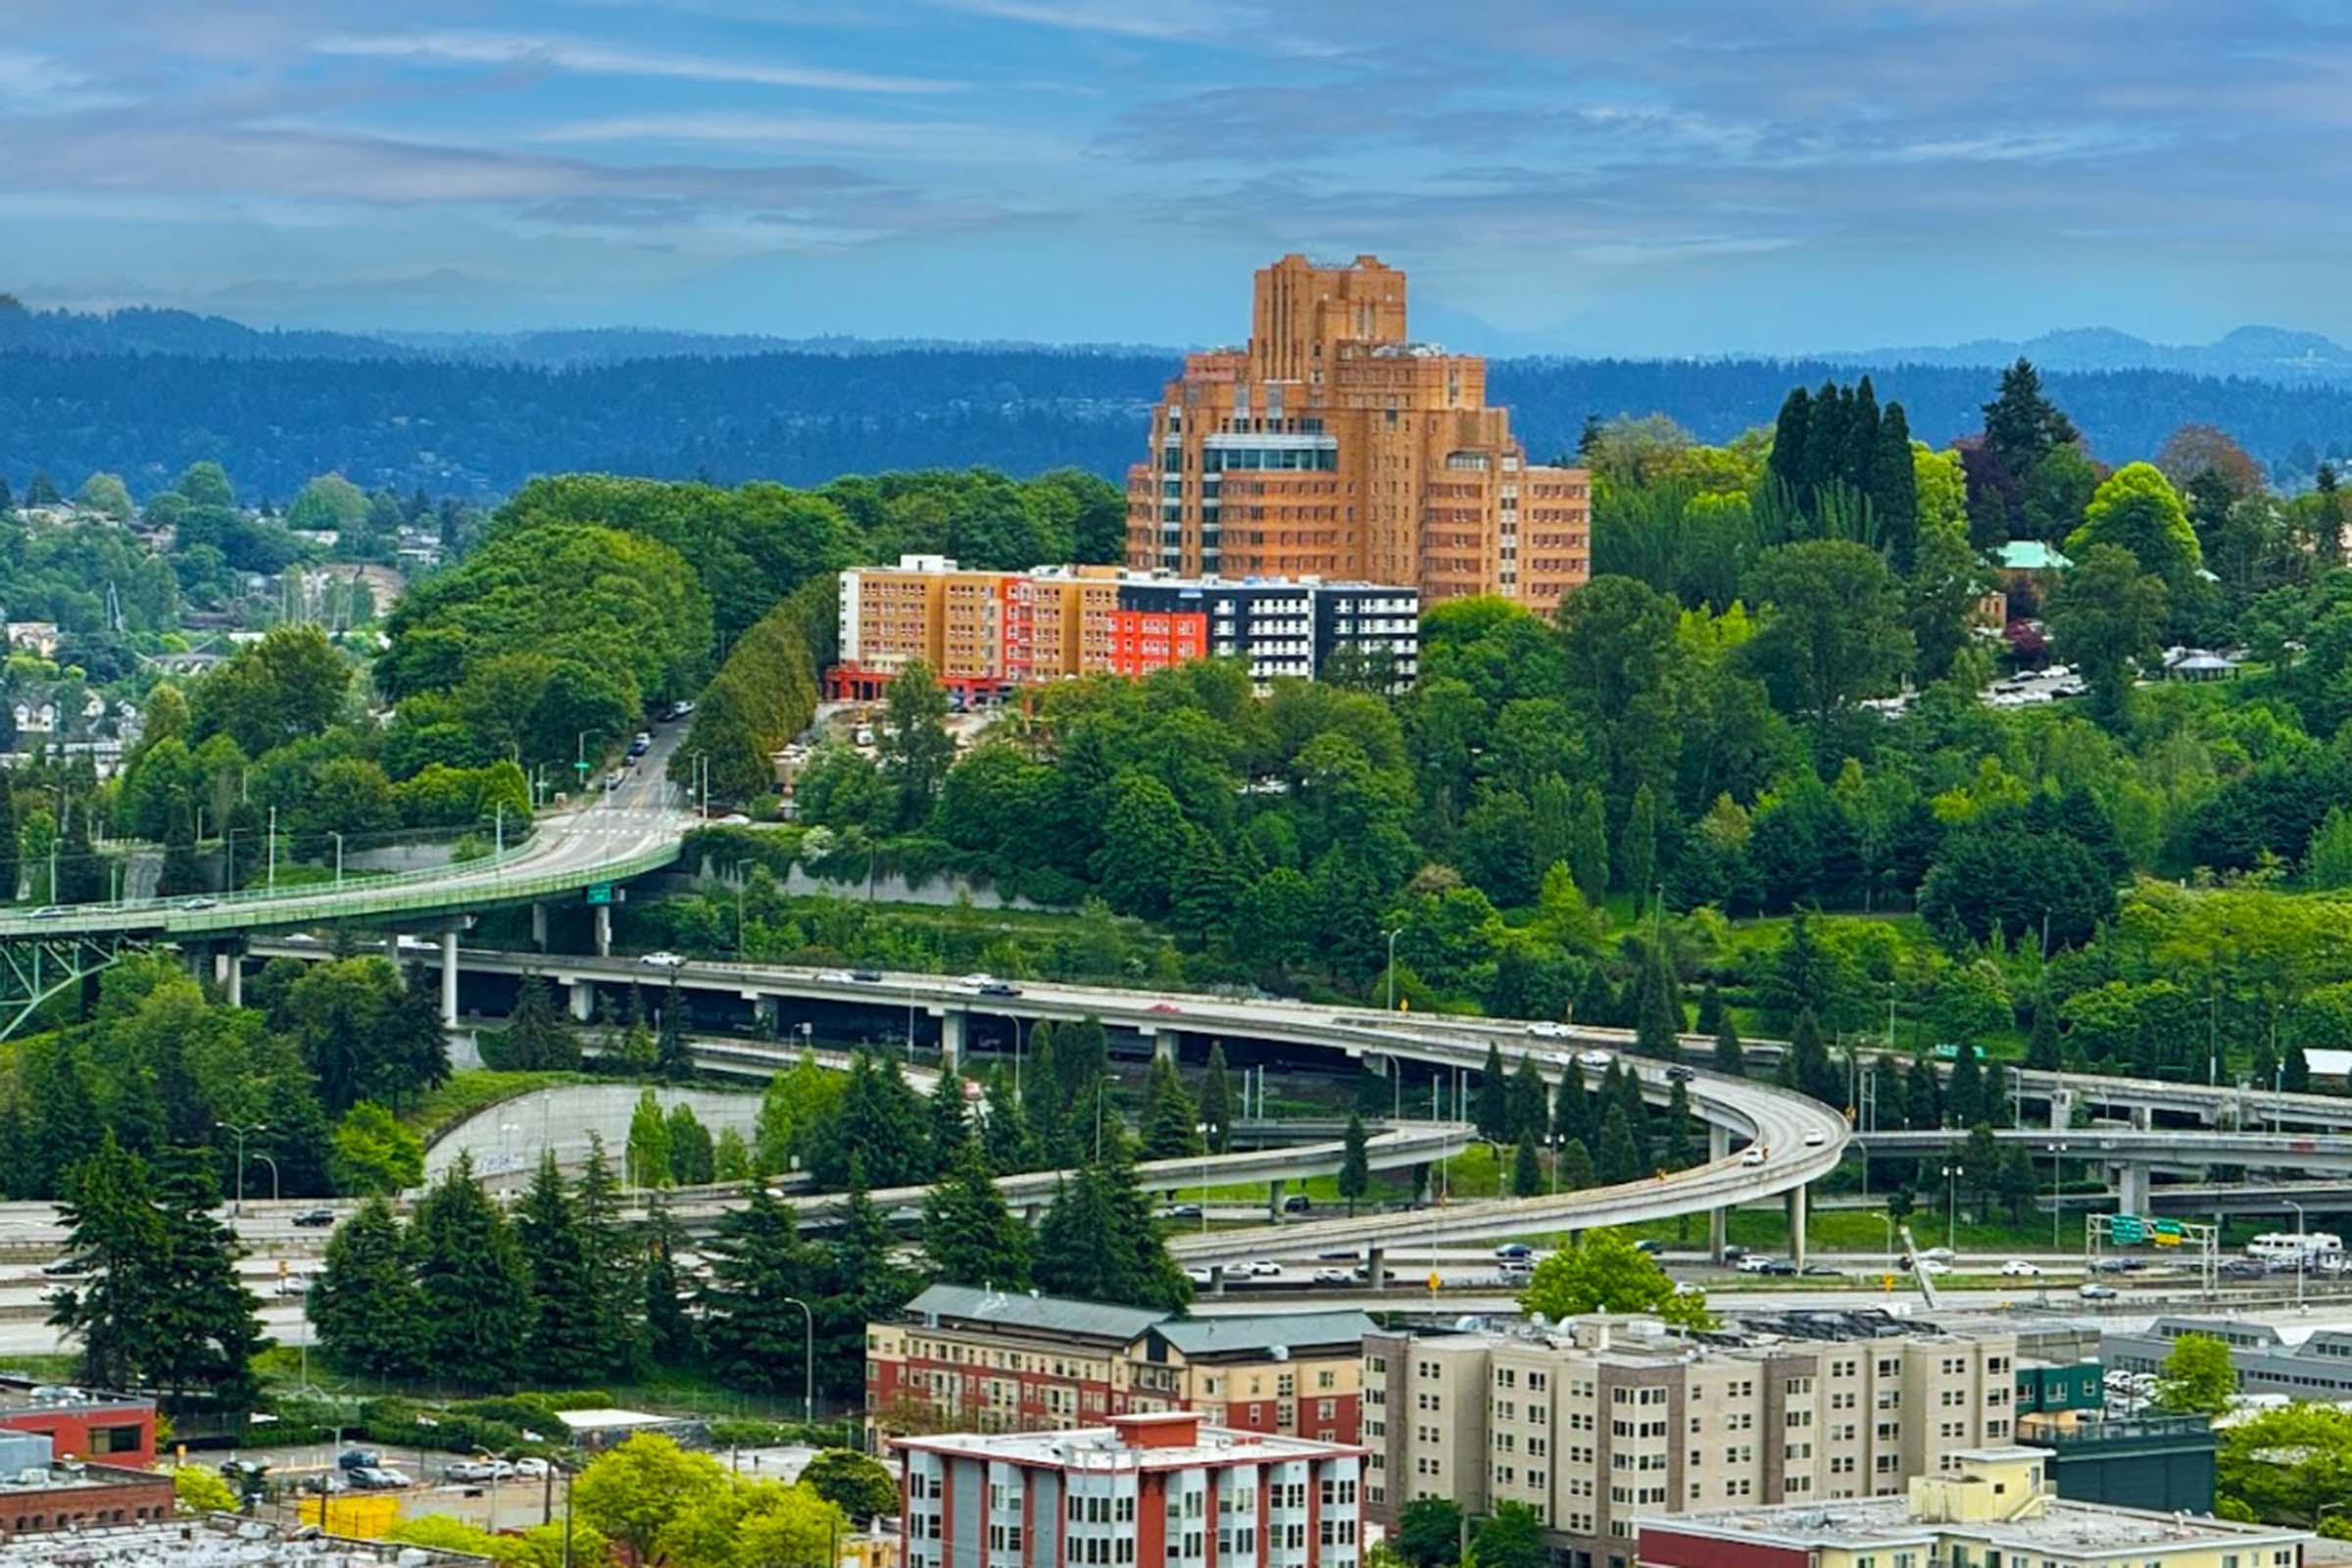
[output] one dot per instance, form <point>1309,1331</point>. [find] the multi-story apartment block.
<point>1597,1422</point>
<point>1983,1508</point>
<point>979,1360</point>
<point>1146,1490</point>
<point>987,633</point>
<point>1333,444</point>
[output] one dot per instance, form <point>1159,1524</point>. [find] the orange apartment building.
<point>1335,446</point>
<point>986,633</point>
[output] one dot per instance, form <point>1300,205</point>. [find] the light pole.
<point>2056,1148</point>
<point>807,1364</point>
<point>1951,1203</point>
<point>338,838</point>
<point>1551,1142</point>
<point>272,1164</point>
<point>1202,1128</point>
<point>2302,1254</point>
<point>1393,935</point>
<point>272,881</point>
<point>236,1207</point>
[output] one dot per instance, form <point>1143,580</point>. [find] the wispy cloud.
<point>938,141</point>
<point>42,84</point>
<point>507,50</point>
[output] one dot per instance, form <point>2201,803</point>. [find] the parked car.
<point>528,1467</point>
<point>1514,1250</point>
<point>480,1470</point>
<point>377,1478</point>
<point>315,1218</point>
<point>612,779</point>
<point>665,961</point>
<point>358,1459</point>
<point>2016,1268</point>
<point>2093,1291</point>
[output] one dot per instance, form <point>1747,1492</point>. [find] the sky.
<point>1670,177</point>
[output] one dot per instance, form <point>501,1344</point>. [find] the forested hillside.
<point>804,418</point>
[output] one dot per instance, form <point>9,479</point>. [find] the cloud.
<point>586,58</point>
<point>42,84</point>
<point>942,141</point>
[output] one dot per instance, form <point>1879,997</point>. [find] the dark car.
<point>358,1459</point>
<point>866,977</point>
<point>1734,1253</point>
<point>999,988</point>
<point>315,1218</point>
<point>1651,1244</point>
<point>1679,1075</point>
<point>1778,1265</point>
<point>1829,1270</point>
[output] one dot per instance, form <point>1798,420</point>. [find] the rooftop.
<point>1196,1338</point>
<point>1045,1314</point>
<point>218,1541</point>
<point>1165,1441</point>
<point>23,1394</point>
<point>2064,1526</point>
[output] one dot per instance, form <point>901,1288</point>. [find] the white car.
<point>1753,1263</point>
<point>1755,1155</point>
<point>665,961</point>
<point>973,982</point>
<point>1334,1276</point>
<point>834,977</point>
<point>1941,1254</point>
<point>480,1470</point>
<point>534,1468</point>
<point>1544,1029</point>
<point>1262,1269</point>
<point>2016,1268</point>
<point>1816,1138</point>
<point>1929,1265</point>
<point>1199,1274</point>
<point>1593,1058</point>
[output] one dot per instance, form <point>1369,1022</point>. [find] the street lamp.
<point>2054,1149</point>
<point>338,838</point>
<point>1551,1142</point>
<point>1951,1203</point>
<point>1202,1128</point>
<point>1393,935</point>
<point>236,1206</point>
<point>807,1364</point>
<point>272,1164</point>
<point>2302,1254</point>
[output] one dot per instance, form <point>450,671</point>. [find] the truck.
<point>2285,1250</point>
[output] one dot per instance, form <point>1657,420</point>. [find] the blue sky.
<point>1669,177</point>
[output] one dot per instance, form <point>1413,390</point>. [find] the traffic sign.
<point>600,893</point>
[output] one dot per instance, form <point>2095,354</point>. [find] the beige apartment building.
<point>1597,1422</point>
<point>1335,446</point>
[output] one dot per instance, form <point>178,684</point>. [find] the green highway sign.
<point>600,893</point>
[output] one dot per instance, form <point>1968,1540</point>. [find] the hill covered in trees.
<point>146,399</point>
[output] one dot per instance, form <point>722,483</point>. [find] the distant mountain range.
<point>145,392</point>
<point>2254,353</point>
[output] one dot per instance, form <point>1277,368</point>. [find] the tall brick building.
<point>1334,446</point>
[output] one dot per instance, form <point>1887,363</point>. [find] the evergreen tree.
<point>82,878</point>
<point>1894,1109</point>
<point>539,1036</point>
<point>2042,1050</point>
<point>1658,1028</point>
<point>1894,490</point>
<point>646,1162</point>
<point>1529,1111</point>
<point>1964,1090</point>
<point>1620,1157</point>
<point>1043,1112</point>
<point>1923,1096</point>
<point>670,1337</point>
<point>472,1279</point>
<point>1674,1146</point>
<point>1571,1108</point>
<point>365,1305</point>
<point>1638,846</point>
<point>1787,467</point>
<point>950,1126</point>
<point>115,1233</point>
<point>859,1280</point>
<point>11,867</point>
<point>614,1262</point>
<point>209,1327</point>
<point>1807,1061</point>
<point>881,1126</point>
<point>2295,1069</point>
<point>1710,1010</point>
<point>1355,1166</point>
<point>692,1160</point>
<point>1576,1166</point>
<point>1589,847</point>
<point>673,1059</point>
<point>758,1266</point>
<point>1731,1056</point>
<point>970,1236</point>
<point>1170,1123</point>
<point>1099,1241</point>
<point>563,1342</point>
<point>1004,1135</point>
<point>1493,1112</point>
<point>1217,1101</point>
<point>1526,1169</point>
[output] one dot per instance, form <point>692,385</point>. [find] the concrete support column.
<point>449,978</point>
<point>539,926</point>
<point>1274,1199</point>
<point>1376,1268</point>
<point>2142,1118</point>
<point>583,999</point>
<point>232,973</point>
<point>1796,1226</point>
<point>1163,1045</point>
<point>951,1040</point>
<point>2131,1189</point>
<point>2062,1109</point>
<point>1719,1147</point>
<point>604,931</point>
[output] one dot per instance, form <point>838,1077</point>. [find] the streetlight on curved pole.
<point>237,1207</point>
<point>1393,935</point>
<point>272,1164</point>
<point>808,1363</point>
<point>2302,1254</point>
<point>1951,1202</point>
